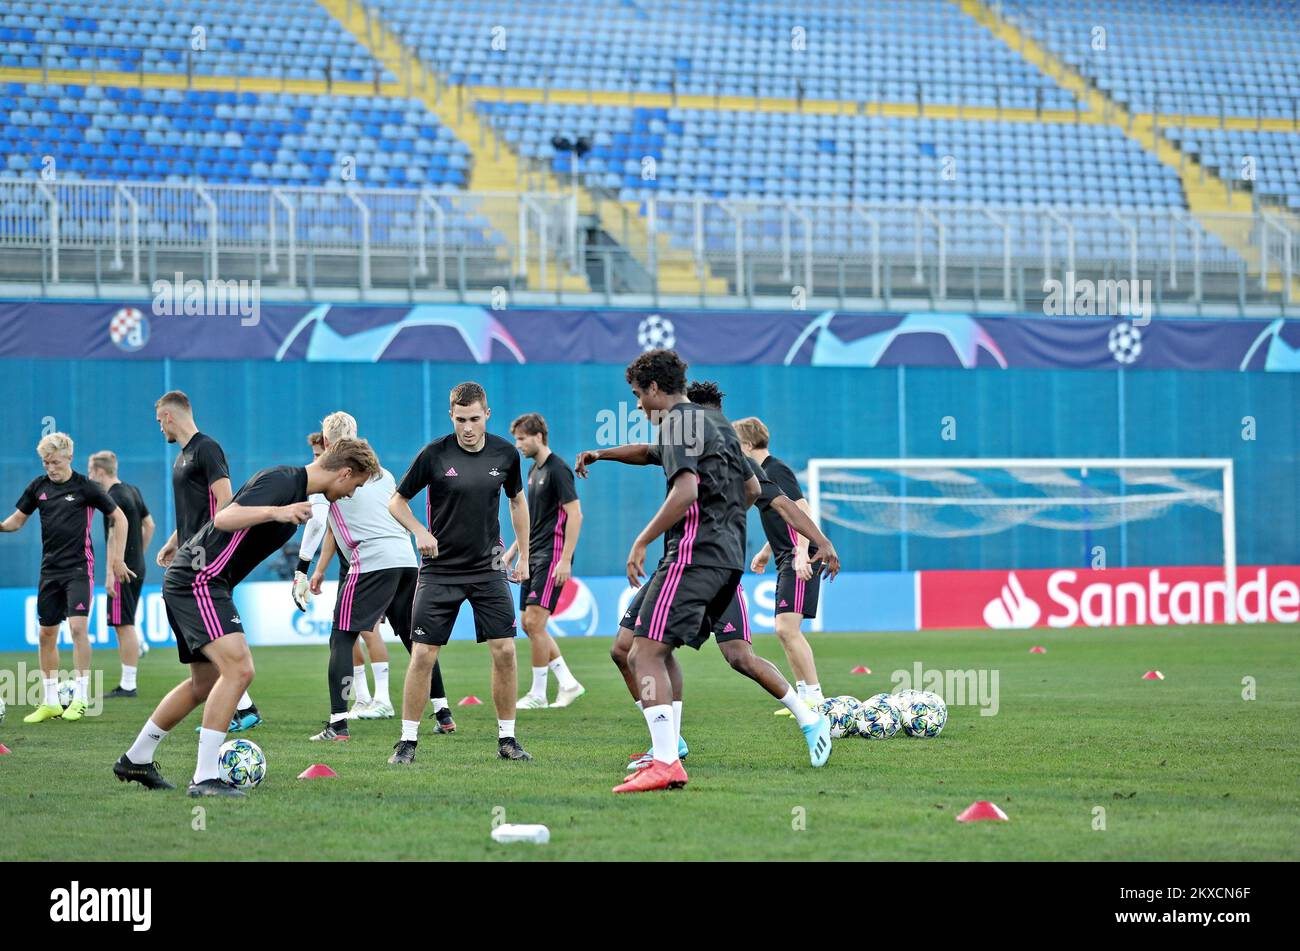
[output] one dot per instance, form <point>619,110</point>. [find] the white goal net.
<point>962,498</point>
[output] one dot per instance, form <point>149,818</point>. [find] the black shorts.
<point>366,597</point>
<point>634,608</point>
<point>199,613</point>
<point>733,624</point>
<point>540,590</point>
<point>681,601</point>
<point>436,605</point>
<point>61,597</point>
<point>794,595</point>
<point>123,598</point>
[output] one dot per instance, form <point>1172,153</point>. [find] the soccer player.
<point>380,571</point>
<point>731,628</point>
<point>463,558</point>
<point>67,501</point>
<point>198,591</point>
<point>798,580</point>
<point>555,519</point>
<point>201,486</point>
<point>123,596</point>
<point>364,705</point>
<point>702,520</point>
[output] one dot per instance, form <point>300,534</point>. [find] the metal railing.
<point>449,240</point>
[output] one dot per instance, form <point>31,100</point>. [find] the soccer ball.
<point>877,718</point>
<point>924,715</point>
<point>67,691</point>
<point>241,763</point>
<point>842,712</point>
<point>656,333</point>
<point>902,699</point>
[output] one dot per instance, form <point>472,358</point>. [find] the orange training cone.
<point>1153,675</point>
<point>4,749</point>
<point>1038,650</point>
<point>977,811</point>
<point>317,771</point>
<point>860,670</point>
<point>471,701</point>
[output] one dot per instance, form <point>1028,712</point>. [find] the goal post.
<point>962,497</point>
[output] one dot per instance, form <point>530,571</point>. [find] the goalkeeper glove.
<point>301,590</point>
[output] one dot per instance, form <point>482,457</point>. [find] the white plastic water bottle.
<point>515,832</point>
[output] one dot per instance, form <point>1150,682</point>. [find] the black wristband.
<point>303,565</point>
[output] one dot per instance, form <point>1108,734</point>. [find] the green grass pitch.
<point>1185,768</point>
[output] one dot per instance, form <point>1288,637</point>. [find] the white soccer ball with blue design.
<point>67,691</point>
<point>842,711</point>
<point>241,763</point>
<point>877,718</point>
<point>924,715</point>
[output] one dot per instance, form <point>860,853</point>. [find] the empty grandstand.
<point>942,153</point>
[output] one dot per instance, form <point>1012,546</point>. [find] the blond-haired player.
<point>67,501</point>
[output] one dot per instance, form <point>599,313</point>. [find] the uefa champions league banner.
<point>463,333</point>
<point>588,607</point>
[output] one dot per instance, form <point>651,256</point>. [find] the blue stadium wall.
<point>261,411</point>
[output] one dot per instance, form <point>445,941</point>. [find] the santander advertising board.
<point>1112,597</point>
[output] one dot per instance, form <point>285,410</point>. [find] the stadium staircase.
<point>497,168</point>
<point>494,168</point>
<point>1208,198</point>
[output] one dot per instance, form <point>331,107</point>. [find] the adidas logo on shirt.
<point>43,498</point>
<point>450,472</point>
<point>81,607</point>
<point>532,595</point>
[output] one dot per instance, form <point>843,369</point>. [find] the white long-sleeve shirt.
<point>313,532</point>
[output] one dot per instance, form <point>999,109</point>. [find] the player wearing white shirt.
<point>379,582</point>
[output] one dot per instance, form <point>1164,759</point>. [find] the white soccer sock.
<point>360,689</point>
<point>664,742</point>
<point>799,708</point>
<point>439,703</point>
<point>128,677</point>
<point>411,730</point>
<point>566,679</point>
<point>813,693</point>
<point>538,688</point>
<point>244,702</point>
<point>381,682</point>
<point>801,688</point>
<point>82,690</point>
<point>209,752</point>
<point>505,728</point>
<point>50,691</point>
<point>677,717</point>
<point>146,744</point>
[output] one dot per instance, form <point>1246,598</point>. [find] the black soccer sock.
<point>340,671</point>
<point>436,688</point>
